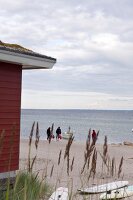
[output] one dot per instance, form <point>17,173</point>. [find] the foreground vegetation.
<point>27,187</point>
<point>28,184</point>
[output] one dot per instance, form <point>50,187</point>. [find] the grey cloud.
<point>92,41</point>
<point>74,80</point>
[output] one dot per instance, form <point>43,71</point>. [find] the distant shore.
<point>48,158</point>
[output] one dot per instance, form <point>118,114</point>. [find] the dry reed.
<point>37,136</point>
<point>30,142</point>
<point>59,157</point>
<point>67,151</point>
<point>72,164</point>
<point>52,169</point>
<point>93,164</point>
<point>112,166</point>
<point>51,132</point>
<point>105,158</point>
<point>120,167</point>
<point>90,146</point>
<point>32,161</point>
<point>36,146</point>
<point>105,150</point>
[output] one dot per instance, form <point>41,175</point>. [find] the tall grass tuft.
<point>72,164</point>
<point>37,136</point>
<point>112,167</point>
<point>105,158</point>
<point>67,151</point>
<point>51,132</point>
<point>90,146</point>
<point>59,157</point>
<point>52,169</point>
<point>93,164</point>
<point>120,167</point>
<point>31,161</point>
<point>30,143</point>
<point>29,187</point>
<point>105,150</point>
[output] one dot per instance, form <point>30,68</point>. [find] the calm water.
<point>117,125</point>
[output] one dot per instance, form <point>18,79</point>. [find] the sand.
<point>48,155</point>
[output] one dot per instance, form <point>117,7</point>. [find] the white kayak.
<point>61,193</point>
<point>118,194</point>
<point>104,188</point>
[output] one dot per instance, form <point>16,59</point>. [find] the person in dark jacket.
<point>48,133</point>
<point>58,133</point>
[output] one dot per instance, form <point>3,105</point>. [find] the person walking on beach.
<point>58,133</point>
<point>48,133</point>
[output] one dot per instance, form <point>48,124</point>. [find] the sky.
<point>92,41</point>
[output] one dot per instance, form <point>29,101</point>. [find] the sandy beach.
<point>48,158</point>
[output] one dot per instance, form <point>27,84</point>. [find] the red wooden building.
<point>14,59</point>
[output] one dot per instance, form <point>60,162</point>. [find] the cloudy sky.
<point>92,41</point>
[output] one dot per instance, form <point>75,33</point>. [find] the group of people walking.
<point>50,134</point>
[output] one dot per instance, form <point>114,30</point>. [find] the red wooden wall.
<point>10,107</point>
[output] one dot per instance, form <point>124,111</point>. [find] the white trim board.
<point>10,174</point>
<point>27,61</point>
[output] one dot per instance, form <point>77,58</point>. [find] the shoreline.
<point>80,142</point>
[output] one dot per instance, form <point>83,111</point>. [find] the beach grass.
<point>29,185</point>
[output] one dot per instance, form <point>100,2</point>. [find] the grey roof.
<point>21,50</point>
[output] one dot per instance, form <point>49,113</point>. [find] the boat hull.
<point>66,136</point>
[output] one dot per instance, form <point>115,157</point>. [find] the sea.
<point>117,125</point>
